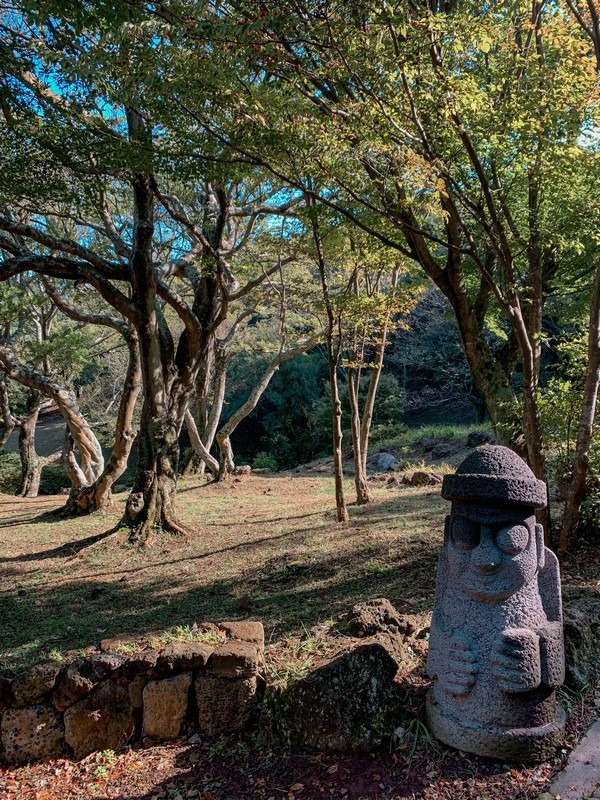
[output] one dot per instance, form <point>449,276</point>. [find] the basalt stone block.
<point>250,631</point>
<point>348,703</point>
<point>235,660</point>
<point>420,478</point>
<point>183,656</point>
<point>496,652</point>
<point>477,438</point>
<point>105,663</point>
<point>29,734</point>
<point>442,450</point>
<point>77,680</point>
<point>32,686</point>
<point>224,705</point>
<point>386,462</point>
<point>378,616</point>
<point>136,690</point>
<point>140,663</point>
<point>101,721</point>
<point>165,706</point>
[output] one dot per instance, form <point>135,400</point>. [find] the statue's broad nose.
<point>486,557</point>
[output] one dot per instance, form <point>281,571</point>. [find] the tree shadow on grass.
<point>67,550</point>
<point>286,594</point>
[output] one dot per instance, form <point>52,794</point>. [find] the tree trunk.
<point>210,396</point>
<point>90,449</point>
<point>363,494</point>
<point>69,462</point>
<point>8,421</point>
<point>576,491</point>
<point>92,460</point>
<point>31,463</point>
<point>198,445</point>
<point>226,462</point>
<point>152,499</point>
<point>338,463</point>
<point>99,495</point>
<point>490,379</point>
<point>333,353</point>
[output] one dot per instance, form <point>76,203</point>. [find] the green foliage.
<point>53,480</point>
<point>560,402</point>
<point>68,350</point>
<point>589,521</point>
<point>282,424</point>
<point>10,472</point>
<point>389,408</point>
<point>264,460</point>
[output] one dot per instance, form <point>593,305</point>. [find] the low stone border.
<point>143,690</point>
<point>134,690</point>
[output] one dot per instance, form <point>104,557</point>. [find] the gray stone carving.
<point>496,651</point>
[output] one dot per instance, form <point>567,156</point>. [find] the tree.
<point>333,344</point>
<point>434,128</point>
<point>586,14</point>
<point>157,259</point>
<point>97,495</point>
<point>54,358</point>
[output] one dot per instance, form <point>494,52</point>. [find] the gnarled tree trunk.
<point>31,462</point>
<point>92,460</point>
<point>98,495</point>
<point>152,499</point>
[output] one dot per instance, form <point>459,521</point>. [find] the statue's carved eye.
<point>512,539</point>
<point>465,534</point>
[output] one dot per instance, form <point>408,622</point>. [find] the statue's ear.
<point>539,541</point>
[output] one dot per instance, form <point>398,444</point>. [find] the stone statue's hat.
<point>495,474</point>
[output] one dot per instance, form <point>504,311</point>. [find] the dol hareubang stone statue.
<point>496,649</point>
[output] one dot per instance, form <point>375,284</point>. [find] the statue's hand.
<point>461,668</point>
<point>516,661</point>
<point>552,650</point>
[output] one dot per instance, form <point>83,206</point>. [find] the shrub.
<point>265,461</point>
<point>10,472</point>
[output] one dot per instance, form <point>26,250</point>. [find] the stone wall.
<point>144,691</point>
<point>134,690</point>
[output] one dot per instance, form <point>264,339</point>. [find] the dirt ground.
<point>266,547</point>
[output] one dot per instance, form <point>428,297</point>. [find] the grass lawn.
<point>271,542</point>
<point>266,547</point>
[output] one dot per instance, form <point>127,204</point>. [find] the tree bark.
<point>338,460</point>
<point>333,354</point>
<point>99,495</point>
<point>209,406</point>
<point>577,486</point>
<point>31,463</point>
<point>152,499</point>
<point>363,494</point>
<point>92,460</point>
<point>198,445</point>
<point>8,421</point>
